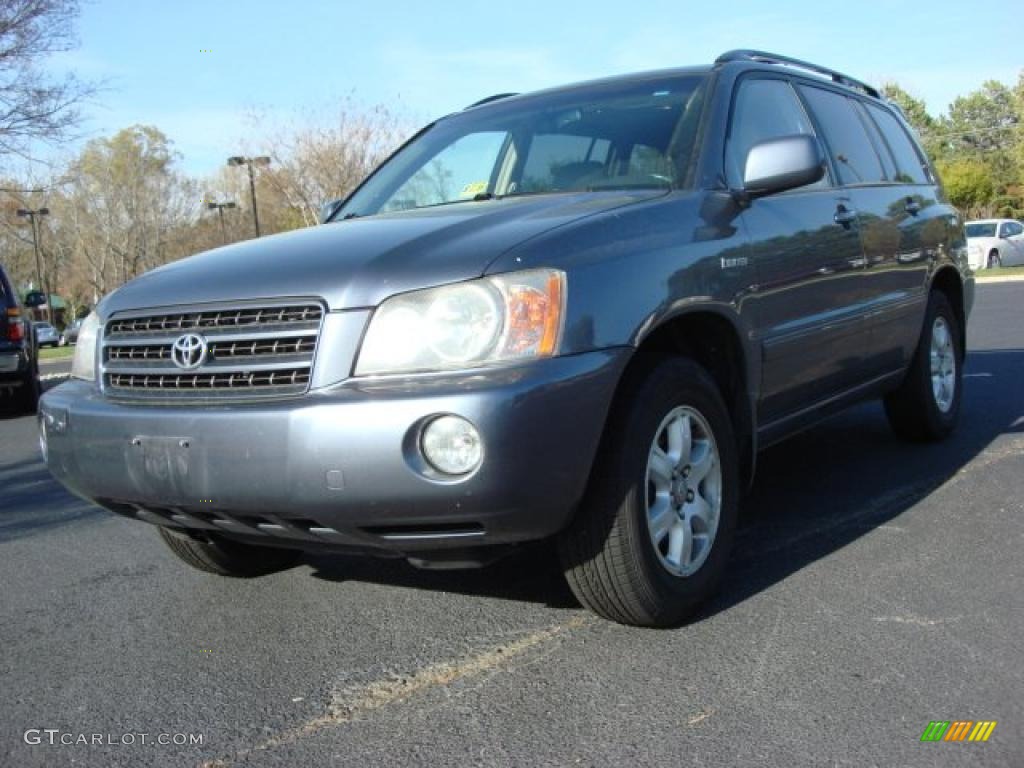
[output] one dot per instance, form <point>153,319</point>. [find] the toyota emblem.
<point>189,351</point>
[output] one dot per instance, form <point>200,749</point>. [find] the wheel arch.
<point>712,339</point>
<point>949,281</point>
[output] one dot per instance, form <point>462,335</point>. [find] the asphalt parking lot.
<point>876,586</point>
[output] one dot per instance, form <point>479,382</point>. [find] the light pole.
<point>250,162</point>
<point>220,209</point>
<point>35,244</point>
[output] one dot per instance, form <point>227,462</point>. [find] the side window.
<point>1013,229</point>
<point>855,159</point>
<point>911,169</point>
<point>460,171</point>
<point>764,109</point>
<point>881,148</point>
<point>563,161</point>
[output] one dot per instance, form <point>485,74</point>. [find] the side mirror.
<point>779,164</point>
<point>329,208</point>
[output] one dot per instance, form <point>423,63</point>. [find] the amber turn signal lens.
<point>534,317</point>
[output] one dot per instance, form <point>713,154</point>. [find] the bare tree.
<point>34,106</point>
<point>321,160</point>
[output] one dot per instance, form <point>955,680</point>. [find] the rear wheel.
<point>993,259</point>
<point>28,392</point>
<point>228,558</point>
<point>927,404</point>
<point>653,535</point>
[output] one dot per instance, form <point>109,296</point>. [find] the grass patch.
<point>985,274</point>
<point>56,353</point>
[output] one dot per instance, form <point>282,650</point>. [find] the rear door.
<point>892,213</point>
<point>807,257</point>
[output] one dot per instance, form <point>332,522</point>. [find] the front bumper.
<point>338,466</point>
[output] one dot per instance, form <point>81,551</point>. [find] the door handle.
<point>912,207</point>
<point>845,216</point>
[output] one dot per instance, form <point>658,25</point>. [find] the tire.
<point>608,552</point>
<point>994,262</point>
<point>920,409</point>
<point>29,391</point>
<point>224,557</point>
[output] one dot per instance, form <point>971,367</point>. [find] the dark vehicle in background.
<point>70,334</point>
<point>46,335</point>
<point>577,313</point>
<point>19,362</point>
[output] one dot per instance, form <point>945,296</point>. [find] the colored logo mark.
<point>958,730</point>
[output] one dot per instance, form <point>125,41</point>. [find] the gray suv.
<point>576,313</point>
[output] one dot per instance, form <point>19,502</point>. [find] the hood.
<point>360,262</point>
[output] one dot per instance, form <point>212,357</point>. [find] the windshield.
<point>982,229</point>
<point>608,136</point>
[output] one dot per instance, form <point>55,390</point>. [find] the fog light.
<point>452,445</point>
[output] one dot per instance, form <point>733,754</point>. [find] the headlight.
<point>480,322</point>
<point>84,364</point>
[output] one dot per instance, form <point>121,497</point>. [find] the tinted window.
<point>852,154</point>
<point>908,161</point>
<point>881,148</point>
<point>982,229</point>
<point>1012,229</point>
<point>763,110</point>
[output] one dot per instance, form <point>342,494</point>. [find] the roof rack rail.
<point>489,99</point>
<point>771,58</point>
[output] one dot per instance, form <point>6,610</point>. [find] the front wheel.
<point>927,404</point>
<point>653,535</point>
<point>225,557</point>
<point>994,261</point>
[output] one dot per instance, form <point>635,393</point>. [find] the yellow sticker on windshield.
<point>474,188</point>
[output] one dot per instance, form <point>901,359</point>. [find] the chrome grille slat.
<point>277,365</point>
<point>212,319</point>
<point>252,351</point>
<point>274,332</point>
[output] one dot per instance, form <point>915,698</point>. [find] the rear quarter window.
<point>909,163</point>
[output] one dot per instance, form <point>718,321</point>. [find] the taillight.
<point>15,328</point>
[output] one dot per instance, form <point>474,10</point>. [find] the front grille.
<point>249,352</point>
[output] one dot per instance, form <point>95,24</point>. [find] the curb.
<point>999,279</point>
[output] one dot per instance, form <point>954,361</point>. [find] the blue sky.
<point>430,58</point>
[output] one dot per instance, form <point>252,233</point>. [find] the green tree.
<point>969,184</point>
<point>983,127</point>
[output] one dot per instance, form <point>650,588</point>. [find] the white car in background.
<point>995,243</point>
